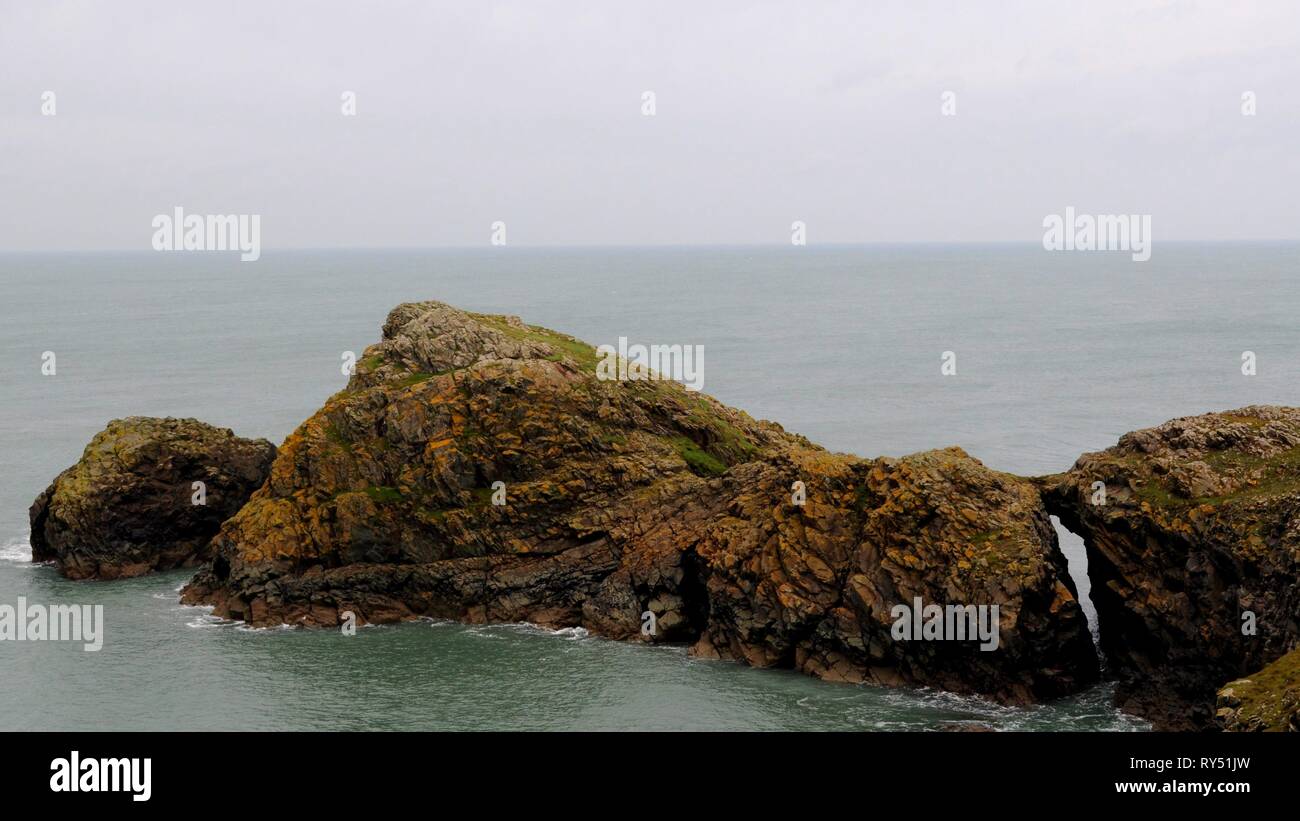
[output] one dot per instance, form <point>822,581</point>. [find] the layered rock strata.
<point>477,468</point>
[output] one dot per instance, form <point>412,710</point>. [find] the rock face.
<point>475,468</point>
<point>1197,541</point>
<point>127,507</point>
<point>1268,700</point>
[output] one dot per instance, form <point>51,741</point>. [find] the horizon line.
<point>631,246</point>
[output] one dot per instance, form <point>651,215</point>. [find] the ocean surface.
<point>1057,354</point>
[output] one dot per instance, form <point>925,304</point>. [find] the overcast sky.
<point>531,113</point>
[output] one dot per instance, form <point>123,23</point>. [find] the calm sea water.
<point>1057,354</point>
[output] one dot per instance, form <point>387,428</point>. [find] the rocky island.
<point>131,504</point>
<point>618,499</point>
<point>476,468</point>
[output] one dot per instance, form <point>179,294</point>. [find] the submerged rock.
<point>476,468</point>
<point>1269,700</point>
<point>1194,554</point>
<point>128,506</point>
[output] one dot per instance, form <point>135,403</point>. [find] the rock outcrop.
<point>1269,700</point>
<point>475,468</point>
<point>480,469</point>
<point>1194,554</point>
<point>128,506</point>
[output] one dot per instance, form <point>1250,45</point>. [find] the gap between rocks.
<point>1076,558</point>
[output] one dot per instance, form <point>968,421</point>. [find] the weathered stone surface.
<point>627,498</point>
<point>126,508</point>
<point>1200,527</point>
<point>1269,700</point>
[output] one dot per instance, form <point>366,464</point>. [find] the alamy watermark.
<point>58,622</point>
<point>179,231</point>
<point>631,363</point>
<point>1104,232</point>
<point>77,774</point>
<point>952,622</point>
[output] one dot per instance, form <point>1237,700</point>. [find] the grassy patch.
<point>1276,475</point>
<point>1157,495</point>
<point>1253,421</point>
<point>729,444</point>
<point>414,378</point>
<point>1235,461</point>
<point>566,347</point>
<point>333,434</point>
<point>1269,699</point>
<point>700,461</point>
<point>384,495</point>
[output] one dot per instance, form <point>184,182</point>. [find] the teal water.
<point>1057,354</point>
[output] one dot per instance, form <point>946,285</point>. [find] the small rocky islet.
<point>476,468</point>
<point>147,494</point>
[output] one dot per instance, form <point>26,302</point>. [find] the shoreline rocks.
<point>126,508</point>
<point>475,468</point>
<point>1192,530</point>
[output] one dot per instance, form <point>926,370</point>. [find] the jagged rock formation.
<point>621,499</point>
<point>126,508</point>
<point>1269,700</point>
<point>1197,541</point>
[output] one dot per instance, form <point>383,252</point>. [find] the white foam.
<point>275,628</point>
<point>205,620</point>
<point>571,633</point>
<point>18,551</point>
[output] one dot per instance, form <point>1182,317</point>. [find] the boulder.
<point>131,506</point>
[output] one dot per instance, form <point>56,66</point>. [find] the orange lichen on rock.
<point>622,499</point>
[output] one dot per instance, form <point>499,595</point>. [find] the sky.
<point>532,114</point>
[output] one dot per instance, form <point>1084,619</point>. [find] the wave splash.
<point>18,551</point>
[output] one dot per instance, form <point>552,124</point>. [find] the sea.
<point>1055,354</point>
